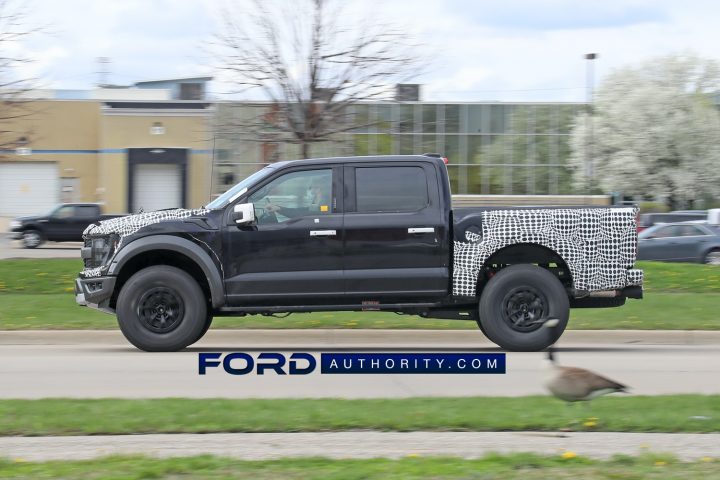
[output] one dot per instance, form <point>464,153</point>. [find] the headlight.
<point>15,224</point>
<point>100,248</point>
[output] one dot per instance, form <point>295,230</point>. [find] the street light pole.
<point>589,161</point>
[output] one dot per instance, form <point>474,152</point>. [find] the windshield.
<point>239,189</point>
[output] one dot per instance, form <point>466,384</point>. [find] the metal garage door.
<point>28,188</point>
<point>156,186</point>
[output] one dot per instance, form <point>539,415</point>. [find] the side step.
<point>409,308</point>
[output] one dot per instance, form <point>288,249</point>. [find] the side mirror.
<point>243,214</point>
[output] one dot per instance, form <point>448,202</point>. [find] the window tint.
<point>689,231</point>
<point>294,194</point>
<point>86,211</point>
<point>64,212</point>
<point>391,189</point>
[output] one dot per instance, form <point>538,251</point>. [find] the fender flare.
<point>176,244</point>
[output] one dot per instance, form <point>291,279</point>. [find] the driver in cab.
<point>317,200</point>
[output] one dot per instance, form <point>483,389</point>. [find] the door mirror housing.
<point>242,214</point>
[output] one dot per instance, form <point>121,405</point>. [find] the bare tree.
<point>14,87</point>
<point>311,60</point>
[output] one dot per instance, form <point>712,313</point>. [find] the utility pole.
<point>589,138</point>
<point>589,160</point>
<point>103,70</point>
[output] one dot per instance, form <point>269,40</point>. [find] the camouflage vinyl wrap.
<point>598,245</point>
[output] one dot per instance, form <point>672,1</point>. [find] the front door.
<point>293,255</point>
<point>395,233</point>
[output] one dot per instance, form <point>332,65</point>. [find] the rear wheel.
<point>515,304</point>
<point>712,257</point>
<point>32,239</point>
<point>162,309</point>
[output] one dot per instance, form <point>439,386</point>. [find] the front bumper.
<point>15,234</point>
<point>95,292</point>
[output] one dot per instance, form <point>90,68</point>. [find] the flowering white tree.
<point>655,130</point>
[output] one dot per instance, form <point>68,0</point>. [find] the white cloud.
<point>513,50</point>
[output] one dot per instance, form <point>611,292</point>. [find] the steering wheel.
<point>266,217</point>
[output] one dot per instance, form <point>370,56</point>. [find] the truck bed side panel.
<point>598,244</point>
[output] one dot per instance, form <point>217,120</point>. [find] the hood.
<point>124,226</point>
<point>28,218</point>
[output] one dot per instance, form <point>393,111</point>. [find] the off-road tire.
<point>175,296</point>
<point>502,300</point>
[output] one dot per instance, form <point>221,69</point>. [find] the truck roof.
<point>369,158</point>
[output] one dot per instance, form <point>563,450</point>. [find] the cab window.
<point>293,195</point>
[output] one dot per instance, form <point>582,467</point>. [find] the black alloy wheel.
<point>161,309</point>
<point>524,309</point>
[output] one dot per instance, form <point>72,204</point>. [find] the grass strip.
<point>57,275</point>
<point>669,311</point>
<point>490,467</point>
<point>666,413</point>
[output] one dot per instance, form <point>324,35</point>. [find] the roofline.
<point>206,78</point>
<point>358,159</point>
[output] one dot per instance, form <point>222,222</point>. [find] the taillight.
<point>445,160</point>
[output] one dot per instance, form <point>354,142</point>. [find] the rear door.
<point>395,246</point>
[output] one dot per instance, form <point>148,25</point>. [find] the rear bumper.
<point>95,292</point>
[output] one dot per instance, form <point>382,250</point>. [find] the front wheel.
<point>162,309</point>
<point>32,239</point>
<point>516,303</point>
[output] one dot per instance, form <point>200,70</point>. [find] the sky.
<point>478,50</point>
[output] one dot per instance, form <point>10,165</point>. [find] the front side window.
<point>294,195</point>
<point>391,189</point>
<point>64,212</point>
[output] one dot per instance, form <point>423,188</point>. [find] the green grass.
<point>490,467</point>
<point>37,294</point>
<point>665,413</point>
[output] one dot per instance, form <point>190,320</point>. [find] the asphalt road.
<point>102,364</point>
<point>364,444</point>
<point>13,249</point>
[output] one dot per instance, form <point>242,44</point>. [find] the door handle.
<point>323,233</point>
<point>421,230</point>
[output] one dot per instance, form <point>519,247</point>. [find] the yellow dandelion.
<point>412,455</point>
<point>707,459</point>
<point>660,463</point>
<point>590,423</point>
<point>19,460</point>
<point>568,455</point>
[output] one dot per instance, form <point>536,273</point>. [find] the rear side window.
<point>391,189</point>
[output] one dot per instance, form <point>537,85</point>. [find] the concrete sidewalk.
<point>361,444</point>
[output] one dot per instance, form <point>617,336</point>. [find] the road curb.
<point>361,337</point>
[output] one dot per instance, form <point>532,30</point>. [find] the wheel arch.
<point>526,253</point>
<point>174,251</point>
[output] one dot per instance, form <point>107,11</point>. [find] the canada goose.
<point>573,384</point>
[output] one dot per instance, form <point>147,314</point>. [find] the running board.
<point>416,308</point>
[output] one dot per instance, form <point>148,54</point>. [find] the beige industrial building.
<point>143,147</point>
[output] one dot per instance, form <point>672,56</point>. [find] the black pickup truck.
<point>65,223</point>
<point>357,234</point>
